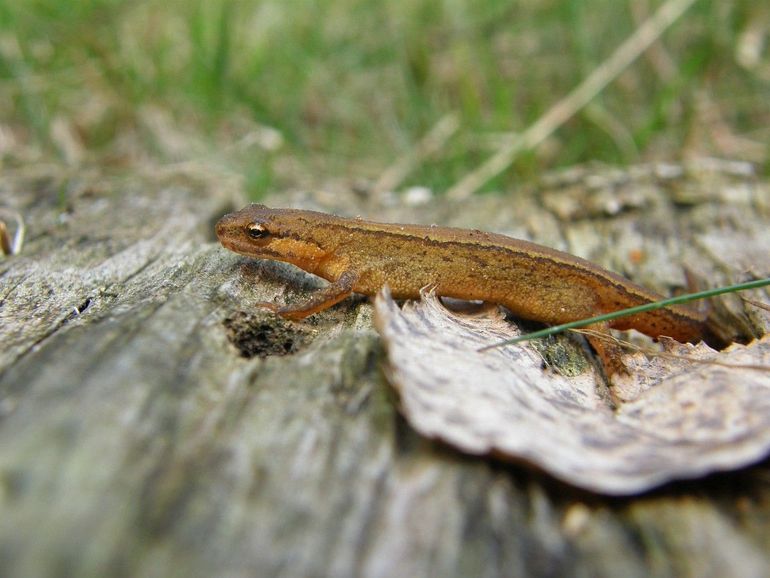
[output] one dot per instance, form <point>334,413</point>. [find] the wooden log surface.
<point>154,423</point>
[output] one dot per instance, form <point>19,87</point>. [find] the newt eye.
<point>257,231</point>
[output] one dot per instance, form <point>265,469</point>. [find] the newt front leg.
<point>318,301</point>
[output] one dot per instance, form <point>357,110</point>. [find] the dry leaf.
<point>686,421</point>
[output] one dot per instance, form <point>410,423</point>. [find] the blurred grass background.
<point>300,93</point>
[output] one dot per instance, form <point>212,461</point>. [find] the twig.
<point>395,174</point>
<point>10,247</point>
<point>657,56</point>
<point>756,303</point>
<point>563,110</point>
<point>666,355</point>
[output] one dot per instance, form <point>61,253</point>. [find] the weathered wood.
<point>136,440</point>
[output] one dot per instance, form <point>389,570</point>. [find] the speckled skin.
<point>532,281</point>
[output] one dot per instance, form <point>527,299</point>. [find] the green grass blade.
<point>632,311</point>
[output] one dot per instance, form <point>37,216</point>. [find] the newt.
<point>533,282</point>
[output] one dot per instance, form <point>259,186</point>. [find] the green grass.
<point>351,85</point>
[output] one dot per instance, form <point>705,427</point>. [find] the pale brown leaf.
<point>684,420</point>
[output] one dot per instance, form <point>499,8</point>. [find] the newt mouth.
<point>227,230</point>
<point>224,225</point>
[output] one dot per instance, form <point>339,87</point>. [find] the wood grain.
<point>137,440</point>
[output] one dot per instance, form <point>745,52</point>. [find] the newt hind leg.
<point>608,350</point>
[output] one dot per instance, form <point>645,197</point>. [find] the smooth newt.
<point>532,281</point>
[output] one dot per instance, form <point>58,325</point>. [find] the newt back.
<point>534,282</point>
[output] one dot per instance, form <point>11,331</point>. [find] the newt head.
<point>264,233</point>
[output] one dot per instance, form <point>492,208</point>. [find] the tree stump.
<point>153,422</point>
